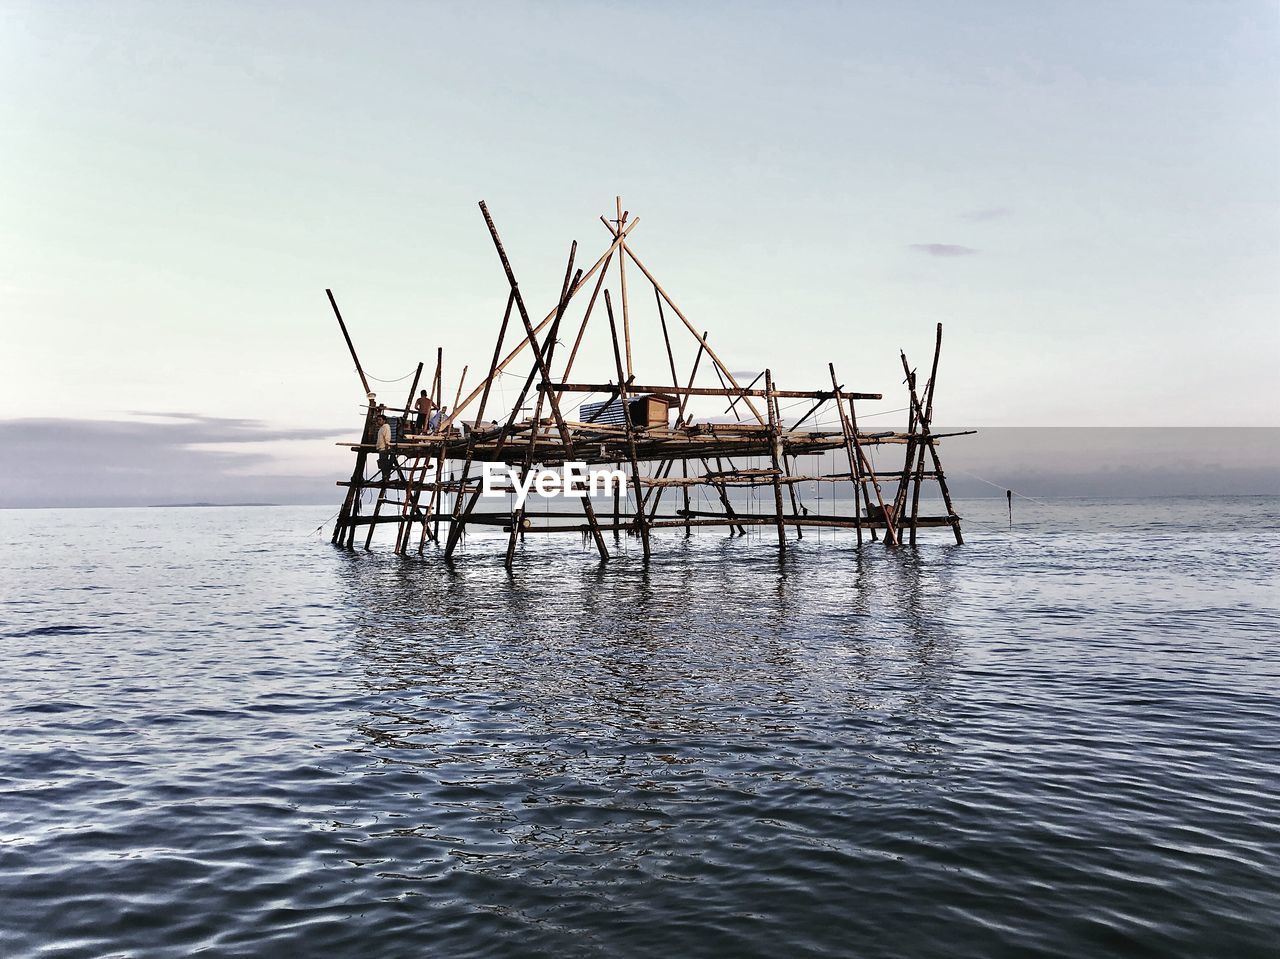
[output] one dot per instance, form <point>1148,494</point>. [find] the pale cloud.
<point>943,249</point>
<point>987,213</point>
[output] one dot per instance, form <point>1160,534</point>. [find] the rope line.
<point>398,379</point>
<point>999,486</point>
<point>325,523</point>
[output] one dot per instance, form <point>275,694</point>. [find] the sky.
<point>1087,195</point>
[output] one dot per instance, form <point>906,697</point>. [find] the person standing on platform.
<point>438,417</point>
<point>423,405</point>
<point>383,446</point>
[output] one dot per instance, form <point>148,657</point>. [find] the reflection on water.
<point>1059,740</point>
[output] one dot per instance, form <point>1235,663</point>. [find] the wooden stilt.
<point>455,528</point>
<point>891,535</point>
<point>684,490</point>
<point>786,462</point>
<point>517,520</point>
<point>622,288</point>
<point>724,496</point>
<point>544,370</point>
<point>939,475</point>
<point>775,454</point>
<point>642,520</point>
<point>617,510</point>
<point>928,420</point>
<point>908,459</point>
<point>410,504</point>
<point>862,461</point>
<point>850,439</point>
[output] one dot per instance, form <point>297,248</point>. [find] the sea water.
<point>221,735</point>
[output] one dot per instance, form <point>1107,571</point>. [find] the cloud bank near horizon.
<point>181,458</point>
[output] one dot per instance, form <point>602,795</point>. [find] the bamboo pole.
<point>518,515</point>
<point>675,381</point>
<point>543,323</point>
<point>928,419</point>
<point>444,447</point>
<point>733,406</point>
<point>617,509</point>
<point>622,284</point>
<point>382,489</point>
<point>655,490</point>
<point>718,519</point>
<point>642,519</point>
<point>455,530</point>
<point>850,438</point>
<point>441,459</point>
<point>666,339</point>
<point>684,397</point>
<point>377,506</point>
<point>908,459</point>
<point>724,496</point>
<point>357,482</point>
<point>774,450</point>
<point>434,451</point>
<point>786,464</point>
<point>543,368</point>
<point>813,409</point>
<point>684,490</point>
<point>586,316</point>
<point>353,492</point>
<point>355,515</point>
<point>891,535</point>
<point>684,319</point>
<point>720,377</point>
<point>406,521</point>
<point>417,375</point>
<point>941,477</point>
<point>860,441</point>
<point>726,391</point>
<point>350,346</point>
<point>504,433</point>
<point>746,478</point>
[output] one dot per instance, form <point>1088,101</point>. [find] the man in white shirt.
<point>383,446</point>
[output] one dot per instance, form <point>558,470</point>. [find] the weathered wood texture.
<point>432,480</point>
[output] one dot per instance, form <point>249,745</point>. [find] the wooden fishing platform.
<point>430,487</point>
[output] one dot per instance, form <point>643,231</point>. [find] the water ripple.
<point>1060,740</point>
